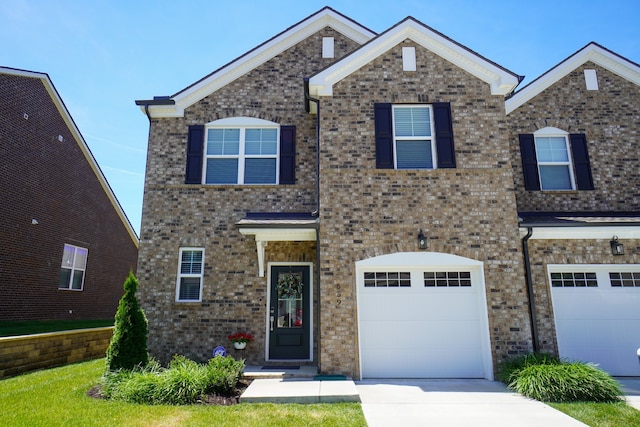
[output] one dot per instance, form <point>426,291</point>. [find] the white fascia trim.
<point>418,259</point>
<point>585,233</point>
<point>257,57</point>
<point>82,144</point>
<point>501,81</point>
<point>591,52</point>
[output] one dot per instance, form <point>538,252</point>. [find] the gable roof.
<point>175,105</point>
<point>82,144</point>
<point>502,81</point>
<point>591,52</point>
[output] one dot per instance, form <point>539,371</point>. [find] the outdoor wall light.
<point>617,248</point>
<point>422,240</point>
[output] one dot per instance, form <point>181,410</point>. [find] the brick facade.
<point>51,181</point>
<point>470,211</point>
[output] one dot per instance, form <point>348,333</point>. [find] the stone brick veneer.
<point>32,352</point>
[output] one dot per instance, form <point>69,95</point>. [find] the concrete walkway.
<point>453,403</point>
<point>631,388</point>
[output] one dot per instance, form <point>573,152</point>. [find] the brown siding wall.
<point>51,181</point>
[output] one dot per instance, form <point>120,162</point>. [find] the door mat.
<point>330,378</point>
<point>280,368</point>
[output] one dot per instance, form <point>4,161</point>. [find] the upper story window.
<point>413,137</point>
<point>241,151</point>
<point>74,263</point>
<point>553,159</point>
<point>554,162</point>
<point>190,274</point>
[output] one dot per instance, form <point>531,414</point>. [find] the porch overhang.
<point>278,227</point>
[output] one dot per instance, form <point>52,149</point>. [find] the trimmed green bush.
<point>128,346</point>
<point>183,382</point>
<point>549,379</point>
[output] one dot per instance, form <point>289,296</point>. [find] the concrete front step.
<point>283,371</point>
<point>300,390</point>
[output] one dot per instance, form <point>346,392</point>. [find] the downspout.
<point>307,107</point>
<point>529,282</point>
<point>146,111</point>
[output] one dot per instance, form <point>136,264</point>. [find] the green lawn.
<point>601,414</point>
<point>8,329</point>
<point>57,397</point>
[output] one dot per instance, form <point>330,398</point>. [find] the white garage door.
<point>597,315</point>
<point>422,316</point>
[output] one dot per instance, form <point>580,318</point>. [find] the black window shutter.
<point>195,143</point>
<point>287,154</point>
<point>384,135</point>
<point>529,162</point>
<point>581,162</point>
<point>444,135</point>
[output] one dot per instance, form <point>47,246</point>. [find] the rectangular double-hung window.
<point>413,137</point>
<point>190,274</point>
<point>74,264</point>
<point>554,163</point>
<point>241,155</point>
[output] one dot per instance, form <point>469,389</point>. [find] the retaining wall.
<point>32,352</point>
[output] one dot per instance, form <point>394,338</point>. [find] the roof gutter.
<point>157,100</point>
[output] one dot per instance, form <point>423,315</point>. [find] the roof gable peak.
<point>592,52</point>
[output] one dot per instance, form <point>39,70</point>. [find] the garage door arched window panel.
<point>627,279</point>
<point>384,279</point>
<point>574,279</point>
<point>447,278</point>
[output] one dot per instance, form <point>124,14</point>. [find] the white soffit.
<point>502,81</point>
<point>587,233</point>
<point>591,52</point>
<point>326,17</point>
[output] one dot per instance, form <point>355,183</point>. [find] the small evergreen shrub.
<point>128,346</point>
<point>183,382</point>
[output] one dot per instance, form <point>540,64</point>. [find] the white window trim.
<point>555,132</point>
<point>242,123</point>
<point>432,138</point>
<point>74,269</point>
<point>179,275</point>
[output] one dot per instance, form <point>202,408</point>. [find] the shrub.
<point>549,379</point>
<point>183,382</point>
<point>511,367</point>
<point>128,346</point>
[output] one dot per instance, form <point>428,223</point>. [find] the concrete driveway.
<point>453,403</point>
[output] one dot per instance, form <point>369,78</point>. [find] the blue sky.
<point>103,55</point>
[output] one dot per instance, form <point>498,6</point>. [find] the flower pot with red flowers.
<point>240,340</point>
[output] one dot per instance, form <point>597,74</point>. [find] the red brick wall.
<point>51,181</point>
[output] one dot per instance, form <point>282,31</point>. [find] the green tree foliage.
<point>128,347</point>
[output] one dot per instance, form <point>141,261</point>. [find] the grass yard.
<point>601,414</point>
<point>57,397</point>
<point>8,329</point>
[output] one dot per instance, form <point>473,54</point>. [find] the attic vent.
<point>60,138</point>
<point>591,79</point>
<point>408,59</point>
<point>26,116</point>
<point>327,47</point>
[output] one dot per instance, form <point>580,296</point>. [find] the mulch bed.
<point>209,399</point>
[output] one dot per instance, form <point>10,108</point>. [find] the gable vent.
<point>591,79</point>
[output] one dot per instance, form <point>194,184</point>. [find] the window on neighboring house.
<point>74,263</point>
<point>190,274</point>
<point>241,150</point>
<point>414,136</point>
<point>553,159</point>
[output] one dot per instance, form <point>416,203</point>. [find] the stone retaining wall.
<point>32,352</point>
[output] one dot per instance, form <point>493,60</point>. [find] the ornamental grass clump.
<point>184,382</point>
<point>549,379</point>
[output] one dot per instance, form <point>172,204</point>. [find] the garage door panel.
<point>600,324</point>
<point>420,336</point>
<point>411,307</point>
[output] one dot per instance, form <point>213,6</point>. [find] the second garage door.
<point>422,316</point>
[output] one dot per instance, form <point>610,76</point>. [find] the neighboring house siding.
<point>468,211</point>
<point>194,215</point>
<point>50,181</point>
<point>609,118</point>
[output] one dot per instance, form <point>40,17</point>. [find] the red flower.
<point>240,337</point>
